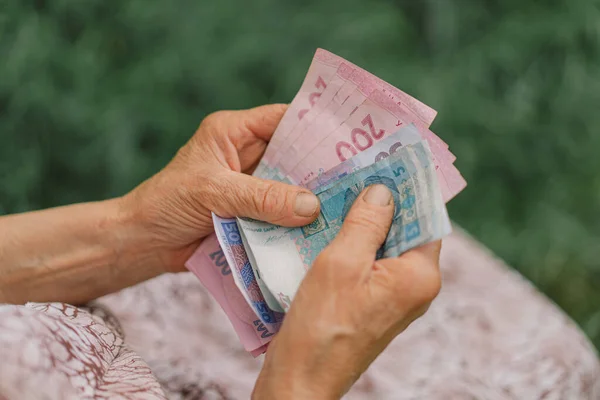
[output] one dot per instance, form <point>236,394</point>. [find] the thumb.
<point>265,200</point>
<point>263,120</point>
<point>366,226</point>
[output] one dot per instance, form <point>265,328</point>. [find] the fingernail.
<point>306,204</point>
<point>378,195</point>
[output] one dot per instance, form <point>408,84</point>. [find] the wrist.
<point>270,387</point>
<point>72,254</point>
<point>133,244</point>
<point>287,376</point>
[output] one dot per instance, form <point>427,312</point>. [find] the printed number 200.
<point>361,139</point>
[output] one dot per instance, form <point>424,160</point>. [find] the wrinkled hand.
<point>209,174</point>
<point>348,307</point>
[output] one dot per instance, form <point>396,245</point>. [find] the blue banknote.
<point>406,135</point>
<point>283,255</point>
<point>245,278</point>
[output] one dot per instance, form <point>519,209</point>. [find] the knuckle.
<point>213,189</point>
<point>213,124</point>
<point>269,198</point>
<point>325,264</point>
<point>326,257</point>
<point>214,118</point>
<point>366,221</point>
<point>335,255</point>
<point>427,279</point>
<point>415,284</point>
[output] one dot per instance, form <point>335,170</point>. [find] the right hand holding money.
<point>349,306</point>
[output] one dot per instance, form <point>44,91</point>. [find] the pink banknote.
<point>375,118</point>
<point>354,92</point>
<point>338,89</point>
<point>304,137</point>
<point>323,67</point>
<point>320,72</point>
<point>425,113</point>
<point>455,181</point>
<point>208,263</point>
<point>260,350</point>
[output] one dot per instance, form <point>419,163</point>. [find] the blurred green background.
<point>97,95</point>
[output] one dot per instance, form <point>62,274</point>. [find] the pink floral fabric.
<point>488,335</point>
<point>57,351</point>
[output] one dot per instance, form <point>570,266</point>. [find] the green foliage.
<point>97,95</point>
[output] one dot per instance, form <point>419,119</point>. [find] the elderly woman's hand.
<point>346,311</point>
<point>210,174</point>
<point>349,307</point>
<point>83,251</point>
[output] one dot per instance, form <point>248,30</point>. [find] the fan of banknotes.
<point>344,130</point>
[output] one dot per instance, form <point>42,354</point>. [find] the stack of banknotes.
<point>344,130</point>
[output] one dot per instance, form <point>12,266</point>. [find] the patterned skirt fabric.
<point>488,335</point>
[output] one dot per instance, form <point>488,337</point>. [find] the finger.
<point>430,250</point>
<point>263,120</point>
<point>423,258</point>
<point>413,279</point>
<point>366,225</point>
<point>275,202</point>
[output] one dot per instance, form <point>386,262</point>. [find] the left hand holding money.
<point>349,307</point>
<point>83,251</point>
<point>209,174</point>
